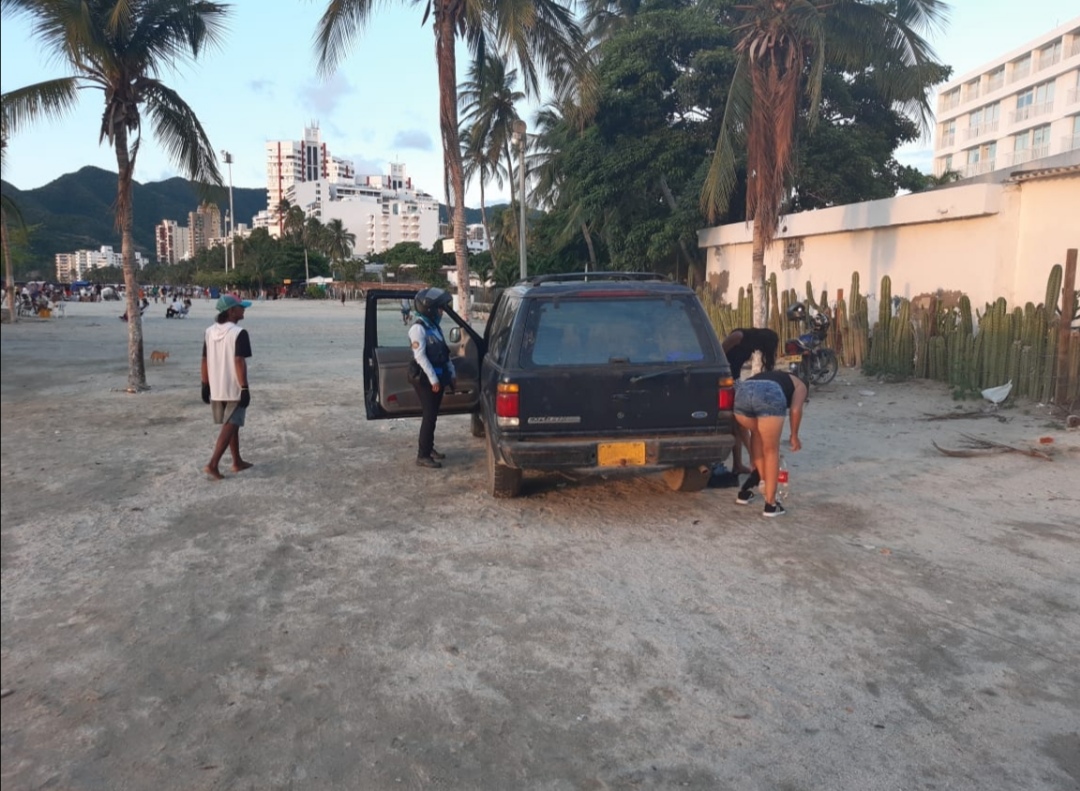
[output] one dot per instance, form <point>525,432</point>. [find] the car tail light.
<point>507,404</point>
<point>726,398</point>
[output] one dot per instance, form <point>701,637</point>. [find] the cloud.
<point>261,87</point>
<point>413,138</point>
<point>368,166</point>
<point>323,96</point>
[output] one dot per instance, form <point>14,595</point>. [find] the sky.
<point>381,105</point>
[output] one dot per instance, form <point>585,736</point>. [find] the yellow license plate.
<point>790,358</point>
<point>620,454</point>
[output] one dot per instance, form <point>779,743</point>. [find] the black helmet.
<point>427,301</point>
<point>797,311</point>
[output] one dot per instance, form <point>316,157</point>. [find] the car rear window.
<point>584,331</point>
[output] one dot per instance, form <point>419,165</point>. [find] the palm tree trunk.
<point>589,244</point>
<point>9,278</point>
<point>124,218</point>
<point>483,219</point>
<point>757,274</point>
<point>448,123</point>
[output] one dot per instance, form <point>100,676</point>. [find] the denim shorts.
<point>759,398</point>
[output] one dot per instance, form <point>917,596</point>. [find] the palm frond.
<point>179,132</point>
<point>340,23</point>
<point>721,179</point>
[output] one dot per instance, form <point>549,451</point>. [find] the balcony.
<point>949,101</point>
<point>1031,111</point>
<point>1017,157</point>
<point>982,129</point>
<point>1070,143</point>
<point>1074,48</point>
<point>995,82</point>
<point>1020,71</point>
<point>1049,60</point>
<point>978,168</point>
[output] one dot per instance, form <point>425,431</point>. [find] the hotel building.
<point>1020,107</point>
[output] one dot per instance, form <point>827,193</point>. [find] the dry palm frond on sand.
<point>976,447</point>
<point>963,415</point>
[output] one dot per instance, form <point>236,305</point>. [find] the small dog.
<point>158,357</point>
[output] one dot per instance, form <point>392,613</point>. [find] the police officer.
<point>432,371</point>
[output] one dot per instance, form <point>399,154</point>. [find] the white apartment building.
<point>172,242</point>
<point>75,266</point>
<point>291,162</point>
<point>382,212</point>
<point>1020,107</point>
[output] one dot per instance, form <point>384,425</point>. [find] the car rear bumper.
<point>576,453</point>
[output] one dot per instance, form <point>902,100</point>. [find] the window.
<point>1021,67</point>
<point>596,331</point>
<point>1022,141</point>
<point>1050,54</point>
<point>972,157</point>
<point>948,162</point>
<point>948,133</point>
<point>995,79</point>
<point>1040,141</point>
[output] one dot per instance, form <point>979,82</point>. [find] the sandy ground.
<point>336,618</point>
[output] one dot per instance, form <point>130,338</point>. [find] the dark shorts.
<point>229,412</point>
<point>759,398</point>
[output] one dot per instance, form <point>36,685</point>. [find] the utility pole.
<point>231,221</point>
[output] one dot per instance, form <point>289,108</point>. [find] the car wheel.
<point>503,482</point>
<point>687,479</point>
<point>477,425</point>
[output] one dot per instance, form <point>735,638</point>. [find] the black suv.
<point>579,371</point>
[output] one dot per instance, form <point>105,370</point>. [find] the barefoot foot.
<point>240,466</point>
<point>213,473</point>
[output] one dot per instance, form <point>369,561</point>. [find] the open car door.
<point>387,354</point>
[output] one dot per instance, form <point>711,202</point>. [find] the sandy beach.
<point>337,618</point>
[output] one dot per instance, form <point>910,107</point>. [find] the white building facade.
<point>1020,107</point>
<point>292,162</point>
<point>382,212</point>
<point>75,266</point>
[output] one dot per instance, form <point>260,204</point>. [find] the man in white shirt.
<point>226,348</point>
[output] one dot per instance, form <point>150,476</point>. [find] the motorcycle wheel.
<point>824,366</point>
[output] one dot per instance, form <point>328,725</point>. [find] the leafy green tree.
<point>783,51</point>
<point>120,47</point>
<point>541,36</point>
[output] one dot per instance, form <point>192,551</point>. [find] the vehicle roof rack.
<point>585,277</point>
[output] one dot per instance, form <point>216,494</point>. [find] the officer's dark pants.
<point>430,403</point>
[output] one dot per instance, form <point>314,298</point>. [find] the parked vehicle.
<point>807,355</point>
<point>575,372</point>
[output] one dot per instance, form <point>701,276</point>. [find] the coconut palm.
<point>120,47</point>
<point>483,164</point>
<point>488,102</point>
<point>339,241</point>
<point>782,51</point>
<point>541,36</point>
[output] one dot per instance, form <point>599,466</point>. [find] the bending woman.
<point>760,405</point>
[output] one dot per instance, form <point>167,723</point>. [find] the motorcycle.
<point>807,356</point>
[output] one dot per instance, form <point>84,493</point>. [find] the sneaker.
<point>436,455</point>
<point>774,510</point>
<point>744,497</point>
<point>427,461</point>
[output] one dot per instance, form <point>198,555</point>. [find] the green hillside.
<point>75,211</point>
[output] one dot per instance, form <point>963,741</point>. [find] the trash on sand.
<point>867,393</point>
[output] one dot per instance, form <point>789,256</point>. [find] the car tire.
<point>476,425</point>
<point>687,479</point>
<point>504,482</point>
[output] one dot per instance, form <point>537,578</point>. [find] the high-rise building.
<point>172,242</point>
<point>1022,106</point>
<point>74,266</point>
<point>290,162</point>
<point>204,225</point>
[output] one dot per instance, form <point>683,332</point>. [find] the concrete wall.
<point>987,240</point>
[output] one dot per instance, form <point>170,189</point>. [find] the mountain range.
<point>75,211</point>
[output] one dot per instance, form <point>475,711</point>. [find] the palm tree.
<point>540,35</point>
<point>782,51</point>
<point>479,163</point>
<point>488,102</point>
<point>120,47</point>
<point>339,241</point>
<point>18,108</point>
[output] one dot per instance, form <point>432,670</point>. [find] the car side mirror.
<point>455,335</point>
